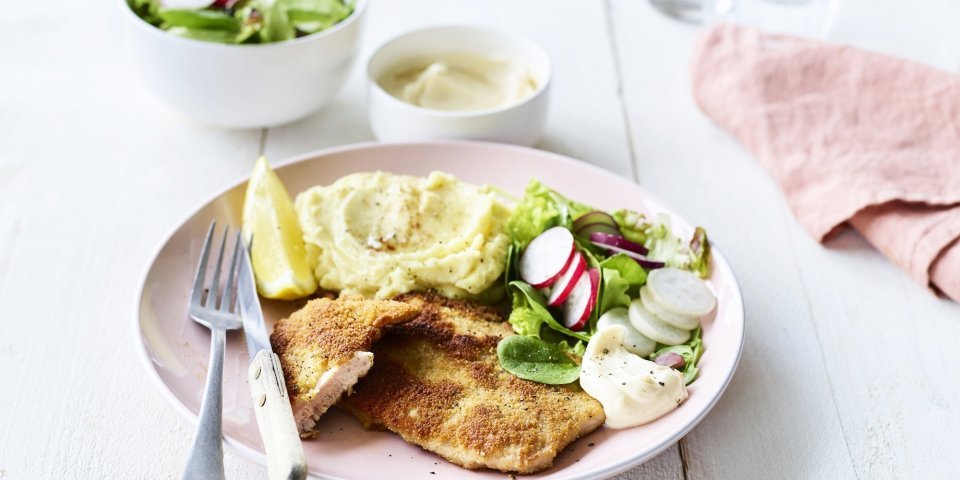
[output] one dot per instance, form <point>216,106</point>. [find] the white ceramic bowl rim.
<point>514,37</point>
<point>358,9</point>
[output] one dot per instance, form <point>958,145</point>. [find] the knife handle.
<point>285,459</point>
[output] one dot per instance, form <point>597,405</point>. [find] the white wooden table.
<point>850,370</point>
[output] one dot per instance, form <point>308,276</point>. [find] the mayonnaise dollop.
<point>632,390</point>
<point>460,82</point>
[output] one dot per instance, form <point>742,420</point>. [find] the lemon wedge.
<point>279,258</point>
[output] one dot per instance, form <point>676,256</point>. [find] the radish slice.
<point>670,359</point>
<point>680,292</point>
<point>634,341</point>
<point>595,216</point>
<point>590,228</point>
<point>643,261</point>
<point>580,302</point>
<point>685,322</point>
<point>545,258</point>
<point>651,326</point>
<point>605,239</point>
<point>564,285</point>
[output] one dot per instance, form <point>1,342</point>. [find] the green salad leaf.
<point>621,279</point>
<point>663,244</point>
<point>541,337</point>
<point>530,313</point>
<point>691,353</point>
<point>633,225</point>
<point>199,19</point>
<point>148,10</point>
<point>531,358</point>
<point>532,216</point>
<point>276,24</point>
<point>539,209</point>
<point>247,21</point>
<point>312,16</point>
<point>700,253</point>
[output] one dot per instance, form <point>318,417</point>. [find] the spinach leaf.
<point>528,298</point>
<point>533,359</point>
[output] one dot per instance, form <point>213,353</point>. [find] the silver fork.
<point>206,454</point>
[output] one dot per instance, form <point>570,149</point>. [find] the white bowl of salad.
<point>243,63</point>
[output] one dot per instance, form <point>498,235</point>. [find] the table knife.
<point>285,459</point>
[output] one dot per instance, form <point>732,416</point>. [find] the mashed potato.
<point>379,234</point>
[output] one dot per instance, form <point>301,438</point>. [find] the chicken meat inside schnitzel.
<point>437,383</point>
<point>324,348</point>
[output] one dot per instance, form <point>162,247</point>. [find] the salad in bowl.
<point>242,21</point>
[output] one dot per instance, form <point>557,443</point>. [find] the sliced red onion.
<point>618,241</point>
<point>670,359</point>
<point>643,261</point>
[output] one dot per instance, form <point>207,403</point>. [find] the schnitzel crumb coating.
<point>437,383</point>
<point>324,348</point>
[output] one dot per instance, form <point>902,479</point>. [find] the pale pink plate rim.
<point>258,457</point>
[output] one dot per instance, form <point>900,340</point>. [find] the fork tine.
<point>196,293</point>
<point>226,304</point>
<point>215,283</point>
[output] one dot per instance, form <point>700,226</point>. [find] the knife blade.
<point>271,404</point>
<point>248,304</point>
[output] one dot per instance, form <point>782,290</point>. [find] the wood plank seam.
<point>787,217</point>
<point>264,134</point>
<point>625,115</point>
<point>618,75</point>
<point>683,458</point>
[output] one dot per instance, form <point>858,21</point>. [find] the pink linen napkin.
<point>852,137</point>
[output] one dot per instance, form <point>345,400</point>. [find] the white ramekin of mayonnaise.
<point>459,82</point>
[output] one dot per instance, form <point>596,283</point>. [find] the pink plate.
<point>175,349</point>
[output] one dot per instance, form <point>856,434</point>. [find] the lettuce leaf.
<point>700,253</point>
<point>252,21</point>
<point>310,16</point>
<point>613,290</point>
<point>621,279</point>
<point>539,209</point>
<point>663,244</point>
<point>199,20</point>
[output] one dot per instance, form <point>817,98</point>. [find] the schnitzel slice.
<point>324,348</point>
<point>437,383</point>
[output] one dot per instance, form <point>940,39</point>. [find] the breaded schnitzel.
<point>437,383</point>
<point>324,348</point>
